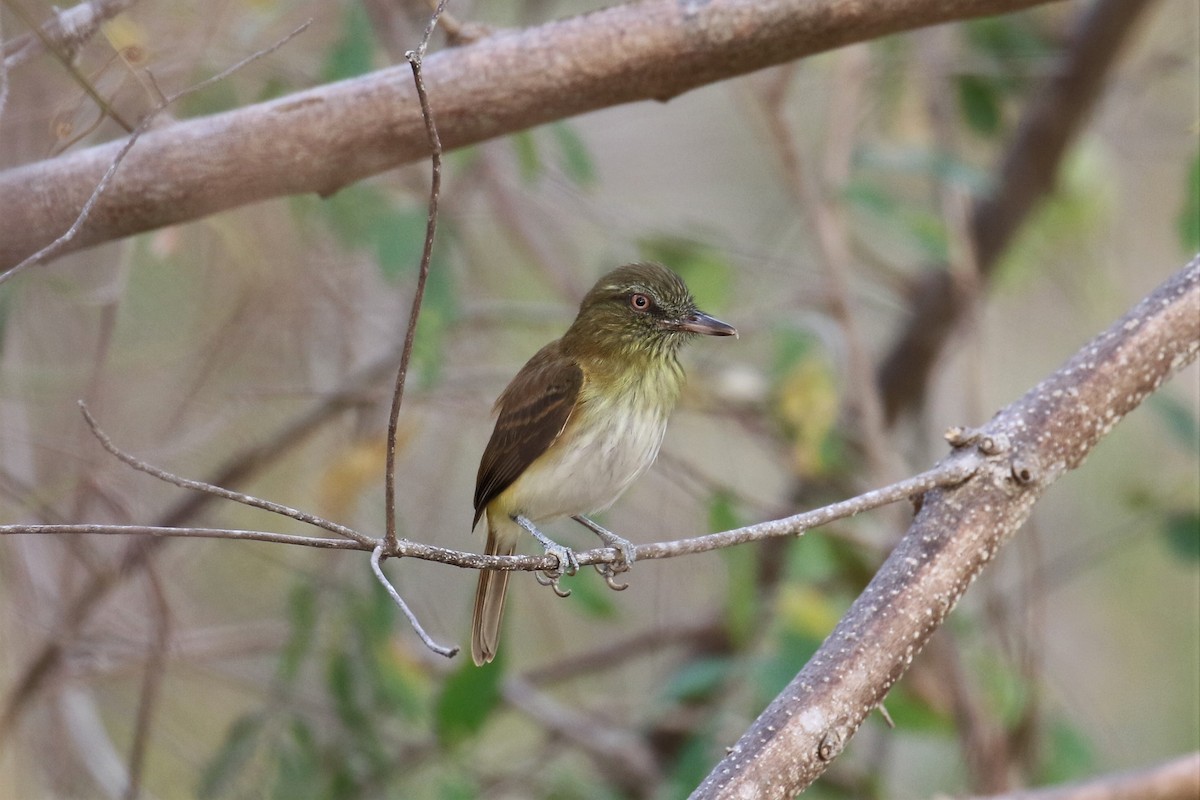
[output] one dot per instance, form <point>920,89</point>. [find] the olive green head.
<point>640,308</point>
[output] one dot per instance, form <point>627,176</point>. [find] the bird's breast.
<point>611,438</point>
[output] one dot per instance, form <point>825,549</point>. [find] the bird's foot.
<point>626,552</point>
<point>568,562</point>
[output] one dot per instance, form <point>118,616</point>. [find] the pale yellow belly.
<point>590,465</point>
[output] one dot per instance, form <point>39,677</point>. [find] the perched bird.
<point>582,420</point>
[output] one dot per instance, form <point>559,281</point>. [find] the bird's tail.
<point>502,538</point>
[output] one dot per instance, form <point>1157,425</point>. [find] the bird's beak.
<point>699,322</point>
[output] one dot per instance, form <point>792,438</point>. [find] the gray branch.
<point>1026,447</point>
<point>325,138</point>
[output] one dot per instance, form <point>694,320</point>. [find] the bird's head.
<point>640,308</point>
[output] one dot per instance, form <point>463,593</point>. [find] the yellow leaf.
<point>806,404</point>
<point>804,610</point>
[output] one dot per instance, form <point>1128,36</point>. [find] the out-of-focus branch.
<point>325,138</point>
<point>67,30</point>
<point>1027,446</point>
<point>1177,779</point>
<point>1026,174</point>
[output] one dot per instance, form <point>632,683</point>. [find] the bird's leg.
<point>568,564</point>
<point>625,550</point>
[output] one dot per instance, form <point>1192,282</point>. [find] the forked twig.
<point>218,491</point>
<point>58,244</point>
<point>442,650</point>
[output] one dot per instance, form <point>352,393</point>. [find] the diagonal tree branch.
<point>1027,174</point>
<point>1177,779</point>
<point>325,138</point>
<point>1028,446</point>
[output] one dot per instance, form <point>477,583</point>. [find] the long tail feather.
<point>489,595</point>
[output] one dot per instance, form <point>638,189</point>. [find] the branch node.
<point>831,745</point>
<point>1024,471</point>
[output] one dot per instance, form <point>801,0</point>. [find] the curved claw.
<point>609,572</point>
<point>547,579</point>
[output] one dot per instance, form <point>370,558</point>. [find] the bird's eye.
<point>639,302</point>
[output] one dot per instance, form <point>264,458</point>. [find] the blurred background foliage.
<point>267,671</point>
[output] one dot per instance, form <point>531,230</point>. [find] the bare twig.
<point>55,247</point>
<point>442,650</point>
<point>945,475</point>
<point>217,491</point>
<point>435,154</point>
<point>1027,447</point>
<point>68,64</point>
<point>152,677</point>
<point>1177,779</point>
<point>67,31</point>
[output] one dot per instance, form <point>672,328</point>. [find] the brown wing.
<point>532,413</point>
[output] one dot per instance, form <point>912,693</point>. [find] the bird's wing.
<point>532,412</point>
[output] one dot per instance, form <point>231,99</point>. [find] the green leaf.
<point>528,162</point>
<point>302,618</point>
<point>593,598</point>
<point>703,268</point>
<point>980,103</point>
<point>1189,215</point>
<point>341,680</point>
<point>239,745</point>
<point>365,217</point>
<point>299,765</point>
<point>576,161</point>
<point>468,698</point>
<point>399,241</point>
<point>913,715</point>
<point>1179,418</point>
<point>1182,531</point>
<point>793,650</point>
<point>1068,754</point>
<point>354,51</point>
<point>741,564</point>
<point>438,313</point>
<point>698,679</point>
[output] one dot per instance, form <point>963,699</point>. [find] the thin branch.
<point>435,154</point>
<point>442,650</point>
<point>164,532</point>
<point>1027,447</point>
<point>324,138</point>
<point>57,246</point>
<point>1027,174</point>
<point>1177,779</point>
<point>67,31</point>
<point>217,491</point>
<point>945,475</point>
<point>69,65</point>
<point>152,678</point>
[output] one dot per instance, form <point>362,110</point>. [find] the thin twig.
<point>152,677</point>
<point>68,29</point>
<point>201,486</point>
<point>953,473</point>
<point>68,64</point>
<point>61,242</point>
<point>435,153</point>
<point>440,649</point>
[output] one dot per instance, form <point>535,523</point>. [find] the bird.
<point>582,420</point>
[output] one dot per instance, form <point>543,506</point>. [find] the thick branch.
<point>1027,173</point>
<point>1177,779</point>
<point>325,138</point>
<point>1028,445</point>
